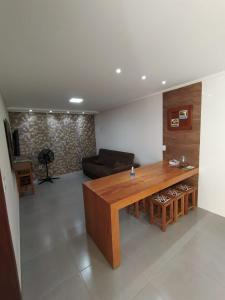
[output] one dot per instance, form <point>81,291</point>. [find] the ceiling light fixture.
<point>118,71</point>
<point>50,111</point>
<point>143,77</point>
<point>83,112</point>
<point>30,110</point>
<point>164,82</point>
<point>76,100</point>
<point>68,111</point>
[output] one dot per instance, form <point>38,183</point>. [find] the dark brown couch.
<point>107,162</point>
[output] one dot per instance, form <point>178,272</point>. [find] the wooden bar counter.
<point>104,197</point>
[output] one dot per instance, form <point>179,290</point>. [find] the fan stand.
<point>47,178</point>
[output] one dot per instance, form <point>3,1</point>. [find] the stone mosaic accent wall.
<point>69,136</point>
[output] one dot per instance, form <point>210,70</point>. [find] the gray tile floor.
<point>60,262</point>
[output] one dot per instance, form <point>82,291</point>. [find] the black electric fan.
<point>45,157</point>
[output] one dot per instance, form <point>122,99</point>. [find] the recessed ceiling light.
<point>83,112</point>
<point>143,77</point>
<point>50,111</point>
<point>118,71</point>
<point>164,82</point>
<point>30,110</point>
<point>76,100</point>
<point>68,111</point>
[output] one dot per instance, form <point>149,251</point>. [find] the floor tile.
<point>71,289</point>
<point>60,261</point>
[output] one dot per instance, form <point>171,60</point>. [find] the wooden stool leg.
<point>158,210</point>
<point>182,205</point>
<point>144,205</point>
<point>136,210</point>
<point>151,213</point>
<point>172,212</point>
<point>186,204</point>
<point>175,203</point>
<point>194,199</point>
<point>163,221</point>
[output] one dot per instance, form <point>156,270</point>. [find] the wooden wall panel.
<point>183,142</point>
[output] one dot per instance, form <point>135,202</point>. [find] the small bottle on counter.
<point>132,172</point>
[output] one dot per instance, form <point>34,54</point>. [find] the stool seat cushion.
<point>161,198</point>
<point>173,192</point>
<point>184,187</point>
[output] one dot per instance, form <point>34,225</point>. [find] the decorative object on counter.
<point>183,161</point>
<point>188,168</point>
<point>45,157</point>
<point>180,117</point>
<point>174,163</point>
<point>24,175</point>
<point>132,172</point>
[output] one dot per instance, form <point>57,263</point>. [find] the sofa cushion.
<point>106,159</point>
<point>111,157</point>
<point>98,162</point>
<point>119,164</point>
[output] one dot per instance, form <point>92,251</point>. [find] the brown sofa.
<point>107,162</point>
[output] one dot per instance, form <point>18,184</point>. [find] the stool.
<point>189,196</point>
<point>178,201</point>
<point>163,205</point>
<point>137,207</point>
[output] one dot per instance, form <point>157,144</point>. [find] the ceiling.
<point>52,50</point>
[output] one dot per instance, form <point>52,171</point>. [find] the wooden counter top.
<point>149,179</point>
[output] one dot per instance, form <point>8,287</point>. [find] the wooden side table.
<point>24,176</point>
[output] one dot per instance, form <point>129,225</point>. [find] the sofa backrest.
<point>110,157</point>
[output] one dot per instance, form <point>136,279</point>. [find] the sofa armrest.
<point>89,159</point>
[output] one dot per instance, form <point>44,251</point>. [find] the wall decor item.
<point>175,122</point>
<point>183,114</point>
<point>70,136</point>
<point>9,141</point>
<point>180,117</point>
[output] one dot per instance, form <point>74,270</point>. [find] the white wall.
<point>9,183</point>
<point>135,127</point>
<point>212,147</point>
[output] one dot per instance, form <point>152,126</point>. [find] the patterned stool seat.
<point>173,192</point>
<point>162,198</point>
<point>184,187</point>
<point>190,195</point>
